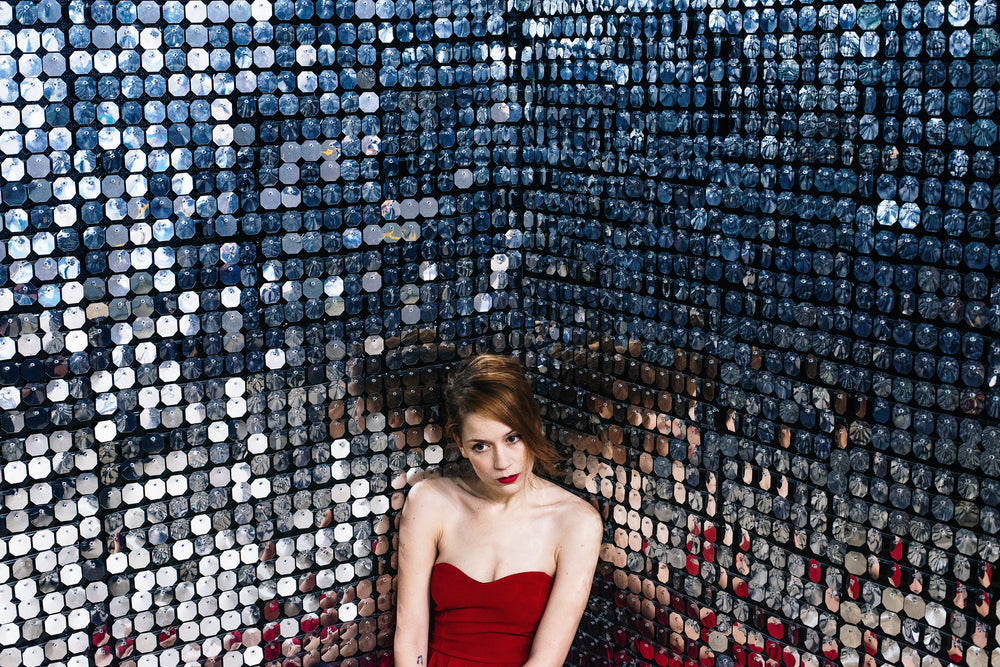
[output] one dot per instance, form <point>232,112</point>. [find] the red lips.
<point>508,480</point>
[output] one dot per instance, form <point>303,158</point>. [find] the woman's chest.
<point>506,546</point>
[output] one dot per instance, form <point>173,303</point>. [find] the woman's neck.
<point>499,501</point>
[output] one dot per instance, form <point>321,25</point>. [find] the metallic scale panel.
<point>748,251</point>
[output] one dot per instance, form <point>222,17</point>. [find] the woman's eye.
<point>513,438</point>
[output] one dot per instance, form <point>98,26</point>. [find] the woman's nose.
<point>500,458</point>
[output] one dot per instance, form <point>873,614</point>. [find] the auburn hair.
<point>495,386</point>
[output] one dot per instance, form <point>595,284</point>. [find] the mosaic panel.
<point>754,246</point>
<point>761,295</point>
<point>239,243</point>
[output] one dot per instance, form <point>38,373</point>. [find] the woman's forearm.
<point>410,658</point>
<point>410,650</point>
<point>541,662</point>
<point>412,634</point>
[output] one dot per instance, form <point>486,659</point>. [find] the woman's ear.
<point>461,449</point>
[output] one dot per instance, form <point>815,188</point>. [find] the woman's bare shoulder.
<point>423,507</point>
<point>575,512</point>
<point>433,493</point>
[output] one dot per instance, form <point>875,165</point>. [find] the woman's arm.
<point>418,535</point>
<point>575,565</point>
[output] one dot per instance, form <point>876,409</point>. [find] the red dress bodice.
<point>475,623</point>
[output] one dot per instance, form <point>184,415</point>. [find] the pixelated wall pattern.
<point>239,242</point>
<point>761,292</point>
<point>748,251</point>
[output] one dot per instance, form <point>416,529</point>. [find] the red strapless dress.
<point>475,623</point>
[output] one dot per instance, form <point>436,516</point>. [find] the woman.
<point>494,567</point>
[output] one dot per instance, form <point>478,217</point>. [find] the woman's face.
<point>497,453</point>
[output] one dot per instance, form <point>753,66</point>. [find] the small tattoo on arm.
<point>420,659</point>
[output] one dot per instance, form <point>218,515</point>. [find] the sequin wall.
<point>761,290</point>
<point>239,243</point>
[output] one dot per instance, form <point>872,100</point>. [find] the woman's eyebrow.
<point>505,435</point>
